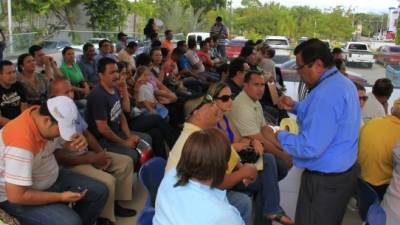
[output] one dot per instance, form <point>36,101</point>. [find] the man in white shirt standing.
<point>377,103</point>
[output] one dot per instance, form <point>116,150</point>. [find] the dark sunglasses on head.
<point>363,98</point>
<point>225,98</point>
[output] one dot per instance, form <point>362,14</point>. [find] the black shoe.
<point>123,212</point>
<point>104,221</point>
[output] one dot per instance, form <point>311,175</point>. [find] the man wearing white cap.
<point>32,187</point>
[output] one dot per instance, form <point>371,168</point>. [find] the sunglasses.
<point>225,98</point>
<point>363,98</point>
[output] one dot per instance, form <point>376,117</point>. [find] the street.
<point>370,74</point>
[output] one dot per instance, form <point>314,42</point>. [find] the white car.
<point>358,52</point>
<point>281,45</point>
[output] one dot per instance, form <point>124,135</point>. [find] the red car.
<point>233,48</point>
<point>388,55</point>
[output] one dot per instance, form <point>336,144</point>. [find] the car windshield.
<point>276,42</point>
<point>357,47</point>
<point>49,44</point>
<point>394,49</point>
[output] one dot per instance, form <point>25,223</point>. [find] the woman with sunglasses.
<point>267,207</point>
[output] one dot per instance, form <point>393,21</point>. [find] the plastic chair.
<point>146,216</point>
<point>151,174</point>
<point>369,206</point>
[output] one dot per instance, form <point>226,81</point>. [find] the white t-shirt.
<point>194,59</point>
<point>146,93</point>
<point>372,108</point>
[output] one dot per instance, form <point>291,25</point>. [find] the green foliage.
<point>107,15</point>
<point>398,33</point>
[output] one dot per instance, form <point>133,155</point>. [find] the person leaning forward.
<point>326,147</point>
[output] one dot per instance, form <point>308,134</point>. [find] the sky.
<point>375,6</point>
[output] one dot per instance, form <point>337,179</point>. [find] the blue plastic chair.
<point>146,216</point>
<point>368,205</point>
<point>151,174</point>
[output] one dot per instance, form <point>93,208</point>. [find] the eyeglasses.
<point>225,98</point>
<point>363,98</point>
<point>299,67</point>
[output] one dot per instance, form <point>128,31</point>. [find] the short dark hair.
<point>33,49</point>
<point>121,65</point>
<point>203,43</point>
<point>208,39</point>
<point>65,49</point>
<point>246,51</point>
<point>180,44</point>
<point>101,43</point>
<point>248,75</point>
<point>5,63</point>
<point>314,49</point>
<point>143,60</point>
<point>103,62</point>
<point>205,156</point>
<point>337,51</point>
<point>192,43</point>
<point>131,44</point>
<point>339,63</point>
<point>155,49</point>
<point>167,32</point>
<point>218,19</point>
<point>236,65</point>
<point>259,41</point>
<point>20,61</point>
<point>44,111</point>
<point>249,43</point>
<point>224,68</point>
<point>359,86</point>
<point>382,88</point>
<point>86,46</point>
<point>155,44</point>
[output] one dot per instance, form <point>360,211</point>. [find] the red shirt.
<point>205,57</point>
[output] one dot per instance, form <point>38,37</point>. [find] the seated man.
<point>87,64</point>
<point>377,103</point>
<point>45,65</point>
<point>196,65</point>
<point>126,55</point>
<point>247,115</point>
<point>104,113</point>
<point>105,51</point>
<point>12,94</point>
<point>112,169</point>
<point>377,140</point>
<point>202,114</point>
<point>238,68</point>
<point>33,188</point>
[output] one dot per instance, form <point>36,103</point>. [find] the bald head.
<point>61,87</point>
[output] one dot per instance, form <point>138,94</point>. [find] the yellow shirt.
<point>377,140</point>
<point>176,151</point>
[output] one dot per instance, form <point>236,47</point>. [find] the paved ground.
<point>370,74</point>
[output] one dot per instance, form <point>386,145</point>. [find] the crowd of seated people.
<point>71,133</point>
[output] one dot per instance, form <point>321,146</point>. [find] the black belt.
<point>329,174</point>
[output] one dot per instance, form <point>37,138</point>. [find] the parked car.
<point>50,45</point>
<point>234,47</point>
<point>289,73</point>
<point>388,55</point>
<point>281,44</point>
<point>198,36</point>
<point>393,73</point>
<point>359,53</point>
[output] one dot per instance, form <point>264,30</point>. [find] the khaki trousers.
<point>118,178</point>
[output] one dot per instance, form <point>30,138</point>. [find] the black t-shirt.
<point>11,99</point>
<point>235,89</point>
<point>102,105</point>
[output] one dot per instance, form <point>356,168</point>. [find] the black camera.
<point>248,155</point>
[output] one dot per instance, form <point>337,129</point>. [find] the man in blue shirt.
<point>326,147</point>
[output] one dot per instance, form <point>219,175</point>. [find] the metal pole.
<point>10,37</point>
<point>134,24</point>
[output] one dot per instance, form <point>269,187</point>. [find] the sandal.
<point>281,218</point>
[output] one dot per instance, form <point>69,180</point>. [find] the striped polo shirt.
<point>26,158</point>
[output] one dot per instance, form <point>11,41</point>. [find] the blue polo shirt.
<point>193,203</point>
<point>329,121</point>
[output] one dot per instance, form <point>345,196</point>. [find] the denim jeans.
<point>242,203</point>
<point>85,212</point>
<point>266,188</point>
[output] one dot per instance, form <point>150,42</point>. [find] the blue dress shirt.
<point>193,203</point>
<point>329,121</point>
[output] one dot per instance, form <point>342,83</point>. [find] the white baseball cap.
<point>64,110</point>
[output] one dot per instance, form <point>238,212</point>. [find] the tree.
<point>106,15</point>
<point>398,32</point>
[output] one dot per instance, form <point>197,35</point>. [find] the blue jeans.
<point>266,188</point>
<point>242,203</point>
<point>85,212</point>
